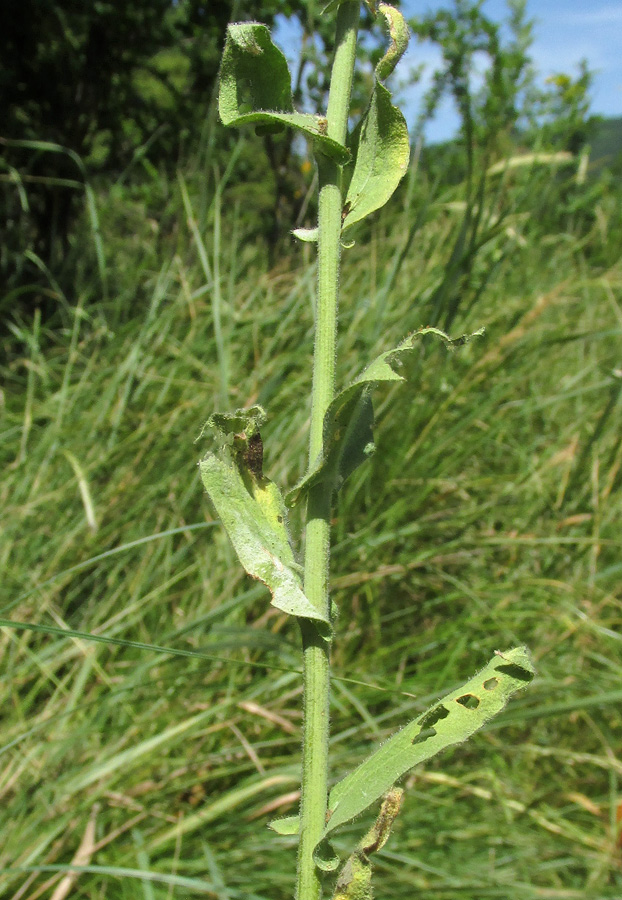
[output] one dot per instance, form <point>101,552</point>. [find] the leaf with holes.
<point>255,88</point>
<point>251,508</point>
<point>450,721</point>
<point>348,422</point>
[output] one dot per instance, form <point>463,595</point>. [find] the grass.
<point>489,516</point>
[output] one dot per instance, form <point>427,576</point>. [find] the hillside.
<point>606,144</point>
<point>147,686</point>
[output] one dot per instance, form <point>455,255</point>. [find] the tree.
<point>90,87</point>
<point>98,80</point>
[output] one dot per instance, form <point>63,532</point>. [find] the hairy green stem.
<point>316,662</point>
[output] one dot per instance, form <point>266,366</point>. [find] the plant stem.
<point>316,661</point>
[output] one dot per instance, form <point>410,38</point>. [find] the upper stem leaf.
<point>400,35</point>
<point>381,147</point>
<point>380,141</point>
<point>255,87</point>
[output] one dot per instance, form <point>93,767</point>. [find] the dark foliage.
<point>106,83</point>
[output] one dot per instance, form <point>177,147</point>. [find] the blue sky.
<point>565,31</point>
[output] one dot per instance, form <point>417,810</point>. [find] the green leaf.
<point>380,141</point>
<point>308,235</point>
<point>348,422</point>
<point>400,35</point>
<point>251,508</point>
<point>325,856</point>
<point>255,88</point>
<point>381,147</point>
<point>450,721</point>
<point>288,825</point>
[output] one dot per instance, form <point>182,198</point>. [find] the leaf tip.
<point>287,826</point>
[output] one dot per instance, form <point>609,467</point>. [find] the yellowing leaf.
<point>252,510</point>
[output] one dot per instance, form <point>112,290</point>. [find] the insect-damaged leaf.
<point>255,88</point>
<point>251,508</point>
<point>380,141</point>
<point>348,422</point>
<point>450,721</point>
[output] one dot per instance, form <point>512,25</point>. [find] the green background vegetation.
<point>488,517</point>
